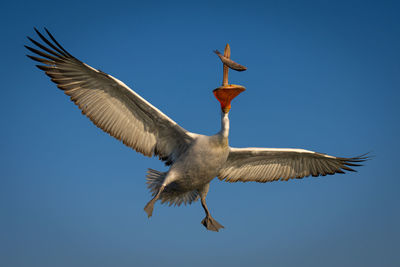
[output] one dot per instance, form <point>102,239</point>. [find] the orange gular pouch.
<point>226,93</point>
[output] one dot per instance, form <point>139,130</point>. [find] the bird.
<point>194,160</point>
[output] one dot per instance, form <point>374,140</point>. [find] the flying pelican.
<point>194,159</point>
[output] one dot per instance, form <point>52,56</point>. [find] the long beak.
<point>225,94</point>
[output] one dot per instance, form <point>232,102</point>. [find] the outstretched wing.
<point>273,164</point>
<point>110,104</point>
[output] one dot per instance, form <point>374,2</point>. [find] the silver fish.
<point>230,63</point>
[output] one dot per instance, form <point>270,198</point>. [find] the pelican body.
<point>194,159</point>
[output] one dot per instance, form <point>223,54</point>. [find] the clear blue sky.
<point>322,75</point>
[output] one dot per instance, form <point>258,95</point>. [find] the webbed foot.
<point>149,208</point>
<point>211,224</point>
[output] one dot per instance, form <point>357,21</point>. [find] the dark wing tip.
<point>55,41</point>
<point>354,161</point>
<point>54,51</point>
<point>348,169</point>
<point>36,30</point>
<point>361,158</point>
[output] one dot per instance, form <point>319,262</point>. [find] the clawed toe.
<point>211,224</point>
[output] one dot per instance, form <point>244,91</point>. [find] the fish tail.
<point>217,52</point>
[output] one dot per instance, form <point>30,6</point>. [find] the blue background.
<point>322,75</point>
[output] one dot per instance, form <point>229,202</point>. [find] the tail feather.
<point>154,180</point>
<point>171,194</point>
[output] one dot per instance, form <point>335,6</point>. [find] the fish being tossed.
<point>230,63</point>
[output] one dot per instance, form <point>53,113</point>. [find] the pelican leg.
<point>150,205</point>
<point>208,221</point>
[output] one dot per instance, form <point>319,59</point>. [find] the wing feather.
<point>110,104</point>
<point>272,164</point>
